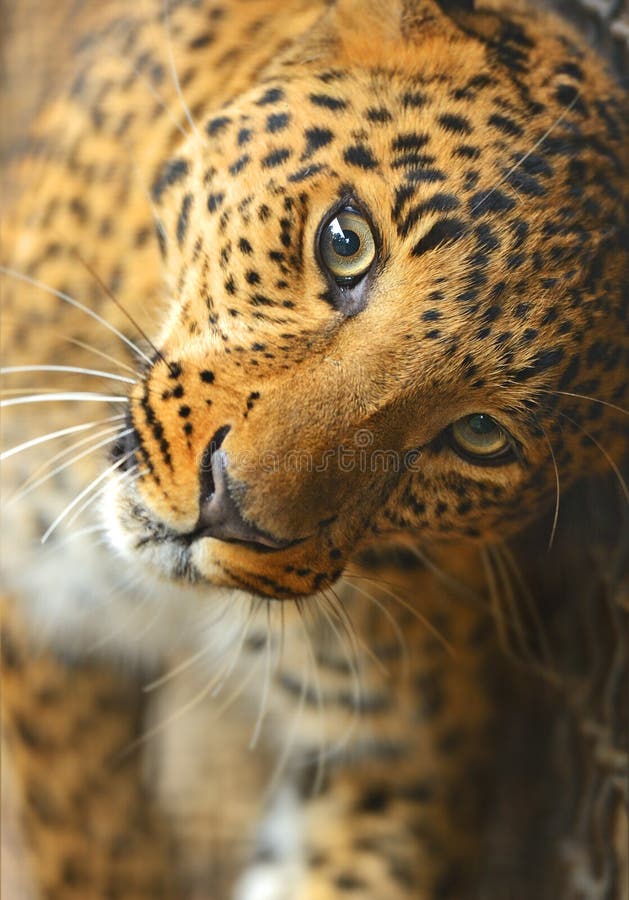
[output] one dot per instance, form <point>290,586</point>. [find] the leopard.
<point>331,601</point>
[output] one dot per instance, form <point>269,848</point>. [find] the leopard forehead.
<point>489,198</point>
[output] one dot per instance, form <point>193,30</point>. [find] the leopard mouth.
<point>263,543</point>
<point>278,570</point>
<point>159,534</point>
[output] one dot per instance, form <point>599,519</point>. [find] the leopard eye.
<point>480,438</point>
<point>347,246</point>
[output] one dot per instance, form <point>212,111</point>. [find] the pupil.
<point>482,425</point>
<point>345,243</point>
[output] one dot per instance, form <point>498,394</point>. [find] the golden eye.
<point>480,436</point>
<point>347,246</point>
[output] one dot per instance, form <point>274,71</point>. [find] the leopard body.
<point>300,600</point>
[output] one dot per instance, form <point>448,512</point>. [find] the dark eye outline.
<point>344,286</point>
<point>507,454</point>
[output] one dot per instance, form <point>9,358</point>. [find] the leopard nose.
<point>220,516</point>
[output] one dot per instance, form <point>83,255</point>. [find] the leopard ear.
<point>349,30</point>
<point>374,31</point>
<point>395,12</point>
<point>383,18</point>
<point>392,20</point>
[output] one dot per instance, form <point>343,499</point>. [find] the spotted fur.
<point>286,437</point>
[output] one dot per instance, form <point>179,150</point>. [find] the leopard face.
<point>397,268</point>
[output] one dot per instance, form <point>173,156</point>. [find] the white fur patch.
<point>281,834</point>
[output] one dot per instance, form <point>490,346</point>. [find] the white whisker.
<point>218,685</point>
<point>227,702</point>
<point>72,302</point>
<point>12,370</point>
<point>24,391</point>
<point>130,476</point>
<point>145,190</point>
<point>557,491</point>
<point>66,450</point>
<point>133,581</point>
<point>290,740</point>
<point>612,463</point>
<point>518,626</point>
<point>113,435</point>
<point>523,159</point>
<point>173,72</point>
<point>74,503</point>
<point>496,608</point>
<point>51,436</point>
<point>206,690</point>
<point>585,397</point>
<point>399,634</point>
<point>513,570</point>
<point>187,662</point>
<point>158,97</point>
<point>355,637</point>
<point>522,653</point>
<point>414,612</point>
<point>446,578</point>
<point>352,659</point>
<point>83,396</point>
<point>84,346</point>
<point>82,532</point>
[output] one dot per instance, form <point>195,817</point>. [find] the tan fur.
<point>236,136</point>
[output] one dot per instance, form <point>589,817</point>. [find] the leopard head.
<point>397,275</point>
